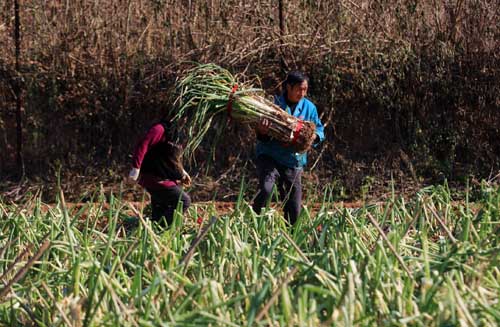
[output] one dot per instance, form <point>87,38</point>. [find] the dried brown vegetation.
<point>416,78</point>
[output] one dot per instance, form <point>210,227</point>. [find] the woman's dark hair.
<point>295,77</point>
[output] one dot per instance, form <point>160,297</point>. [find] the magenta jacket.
<point>150,150</point>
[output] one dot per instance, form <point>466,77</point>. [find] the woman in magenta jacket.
<point>155,164</point>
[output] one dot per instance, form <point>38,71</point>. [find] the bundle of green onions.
<point>208,96</point>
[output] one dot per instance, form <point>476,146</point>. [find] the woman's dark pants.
<point>164,202</point>
<point>289,186</point>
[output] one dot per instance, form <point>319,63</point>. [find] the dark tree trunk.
<point>281,8</point>
<point>18,91</point>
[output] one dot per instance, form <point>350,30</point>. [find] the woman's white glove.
<point>134,174</point>
<point>186,179</point>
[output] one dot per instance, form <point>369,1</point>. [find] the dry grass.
<point>387,70</point>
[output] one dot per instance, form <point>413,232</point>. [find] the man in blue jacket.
<point>278,162</point>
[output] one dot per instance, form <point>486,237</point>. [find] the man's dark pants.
<point>164,202</point>
<point>289,185</point>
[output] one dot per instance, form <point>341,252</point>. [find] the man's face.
<point>297,92</point>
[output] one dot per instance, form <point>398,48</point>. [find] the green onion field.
<point>424,261</point>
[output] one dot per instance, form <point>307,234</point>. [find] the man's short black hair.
<point>295,77</point>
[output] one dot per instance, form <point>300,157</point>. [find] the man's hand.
<point>134,174</point>
<point>263,126</point>
<point>186,179</point>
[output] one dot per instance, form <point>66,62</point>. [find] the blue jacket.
<point>284,155</point>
